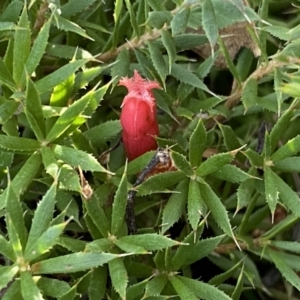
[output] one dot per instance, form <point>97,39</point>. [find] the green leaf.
<point>149,241</point>
<point>287,195</point>
<point>217,280</point>
<point>203,290</point>
<point>196,205</point>
<point>168,43</point>
<point>231,173</point>
<point>76,158</point>
<point>130,248</point>
<point>52,287</point>
<point>38,48</point>
<point>71,263</point>
<point>97,288</point>
<point>188,254</point>
<point>133,20</point>
<point>249,94</point>
<point>284,269</point>
<point>239,286</point>
<point>42,216</point>
<point>197,144</point>
<point>286,245</point>
<point>175,206</point>
<point>6,77</point>
<point>7,273</point>
<point>121,67</point>
<point>69,178</point>
<point>6,249</point>
<point>229,61</point>
<point>118,275</point>
<point>290,148</point>
<point>255,159</point>
<point>156,5</point>
<point>24,177</point>
<point>290,164</point>
<point>14,238</point>
<point>7,109</point>
<point>18,144</point>
<point>157,19</point>
<point>15,212</point>
<point>21,46</point>
<point>29,288</point>
<point>181,289</point>
<point>68,26</point>
<point>34,111</point>
<point>155,286</point>
<point>13,292</point>
<point>230,139</point>
<point>217,209</point>
<point>209,23</point>
<point>186,76</point>
<point>270,189</point>
<point>67,118</point>
<point>62,92</point>
<point>96,212</point>
<point>100,134</point>
<point>48,82</point>
<point>75,6</point>
<point>181,163</point>
<point>244,193</point>
<point>214,163</point>
<point>280,128</point>
<point>45,242</point>
<point>160,182</point>
<point>180,20</point>
<point>119,205</point>
<point>158,61</point>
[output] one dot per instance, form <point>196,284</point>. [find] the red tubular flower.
<point>138,116</point>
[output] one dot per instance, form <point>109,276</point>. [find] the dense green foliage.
<point>224,224</point>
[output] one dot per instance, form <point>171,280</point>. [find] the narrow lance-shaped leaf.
<point>175,205</point>
<point>6,249</point>
<point>18,144</point>
<point>284,269</point>
<point>119,205</point>
<point>156,285</point>
<point>118,275</point>
<point>34,111</point>
<point>71,263</point>
<point>133,20</point>
<point>29,288</point>
<point>15,212</point>
<point>149,241</point>
<point>7,273</point>
<point>6,77</point>
<point>213,163</point>
<point>42,216</point>
<point>62,92</point>
<point>290,148</point>
<point>181,163</point>
<point>21,46</point>
<point>196,205</point>
<point>210,24</point>
<point>66,119</point>
<point>24,177</point>
<point>170,47</point>
<point>38,49</point>
<point>50,81</point>
<point>217,209</point>
<point>76,158</point>
<point>158,61</point>
<point>180,20</point>
<point>181,289</point>
<point>197,144</point>
<point>45,242</point>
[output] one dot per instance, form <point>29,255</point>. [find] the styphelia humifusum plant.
<point>138,116</point>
